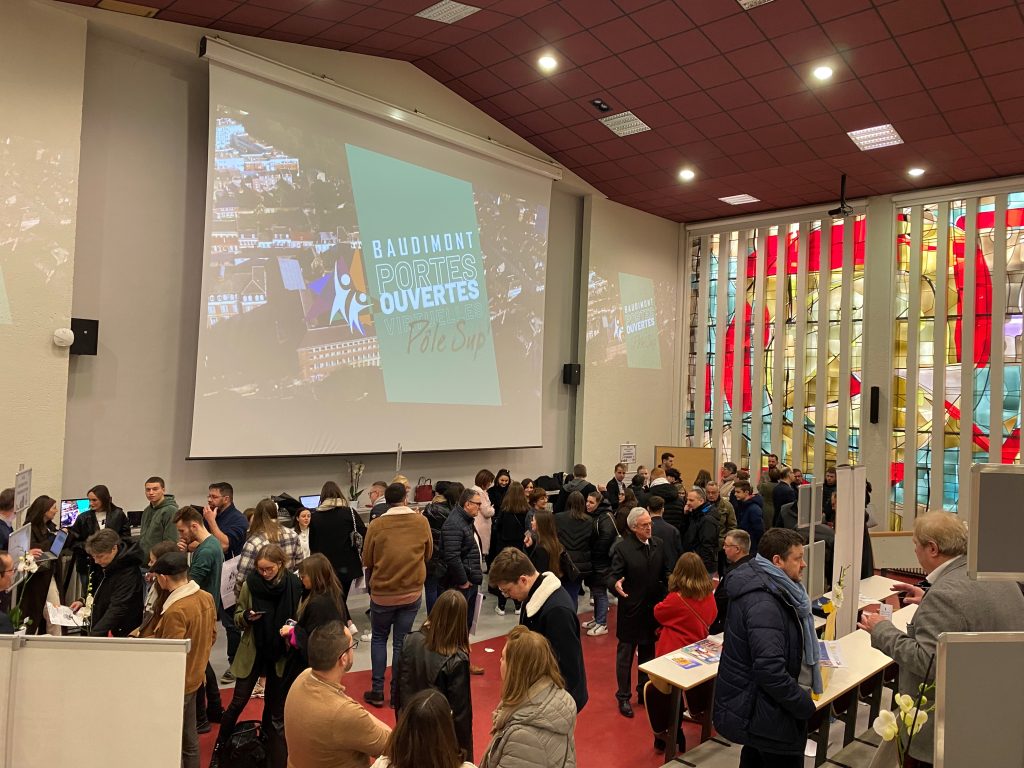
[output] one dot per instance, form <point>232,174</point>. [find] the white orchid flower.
<point>905,702</point>
<point>886,726</point>
<point>914,720</point>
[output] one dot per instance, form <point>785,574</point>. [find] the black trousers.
<point>276,691</point>
<point>755,758</point>
<point>208,697</point>
<point>624,667</point>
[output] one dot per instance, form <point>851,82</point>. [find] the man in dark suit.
<point>952,603</point>
<point>665,531</point>
<point>617,485</point>
<point>6,577</point>
<point>639,576</point>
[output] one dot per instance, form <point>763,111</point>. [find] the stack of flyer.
<point>704,652</point>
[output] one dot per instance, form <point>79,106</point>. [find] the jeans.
<point>470,595</point>
<point>234,634</point>
<point>382,619</point>
<point>600,604</point>
<point>573,588</point>
<point>208,697</point>
<point>432,590</point>
<point>624,667</point>
<point>755,758</point>
<point>273,703</point>
<point>189,734</point>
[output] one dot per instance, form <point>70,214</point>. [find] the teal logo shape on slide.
<point>425,272</point>
<point>639,321</point>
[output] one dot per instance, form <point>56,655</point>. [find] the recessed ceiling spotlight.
<point>822,72</point>
<point>601,105</point>
<point>687,174</point>
<point>916,172</point>
<point>547,63</point>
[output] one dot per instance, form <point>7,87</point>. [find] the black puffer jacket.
<point>757,699</point>
<point>461,549</point>
<point>436,513</point>
<point>578,537</point>
<point>674,505</point>
<point>702,537</point>
<point>606,536</point>
<point>117,599</point>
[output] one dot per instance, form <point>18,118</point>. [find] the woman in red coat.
<point>685,616</point>
<point>689,610</point>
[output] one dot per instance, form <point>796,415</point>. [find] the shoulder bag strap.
<point>706,627</point>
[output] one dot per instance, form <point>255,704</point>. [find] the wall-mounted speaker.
<point>571,374</point>
<point>87,336</point>
<point>874,404</point>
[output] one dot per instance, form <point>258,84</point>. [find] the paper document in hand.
<point>831,655</point>
<point>62,616</point>
<point>706,651</point>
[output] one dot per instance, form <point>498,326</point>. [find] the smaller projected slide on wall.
<point>626,320</point>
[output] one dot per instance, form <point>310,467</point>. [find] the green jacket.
<point>205,566</point>
<point>158,525</point>
<point>245,656</point>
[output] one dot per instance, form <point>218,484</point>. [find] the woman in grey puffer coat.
<point>535,723</point>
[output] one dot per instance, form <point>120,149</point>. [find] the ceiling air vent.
<point>625,124</point>
<point>447,11</point>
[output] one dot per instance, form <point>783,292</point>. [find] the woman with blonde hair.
<point>535,721</point>
<point>437,657</point>
<point>264,529</point>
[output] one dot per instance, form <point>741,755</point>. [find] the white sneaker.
<point>589,624</point>
<point>353,629</point>
<point>598,629</point>
<point>499,610</point>
<point>367,636</point>
<point>591,601</point>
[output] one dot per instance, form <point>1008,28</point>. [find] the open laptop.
<point>55,549</point>
<point>18,544</point>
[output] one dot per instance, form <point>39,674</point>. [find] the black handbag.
<point>248,748</point>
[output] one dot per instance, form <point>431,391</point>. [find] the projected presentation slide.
<point>363,286</point>
<point>629,319</point>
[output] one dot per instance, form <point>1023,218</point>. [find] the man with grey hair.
<point>639,576</point>
<point>737,551</point>
<point>117,598</point>
<point>949,602</point>
<point>324,725</point>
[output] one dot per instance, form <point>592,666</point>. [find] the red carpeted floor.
<point>603,736</point>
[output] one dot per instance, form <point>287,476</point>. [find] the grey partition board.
<point>979,699</point>
<point>813,577</point>
<point>996,522</point>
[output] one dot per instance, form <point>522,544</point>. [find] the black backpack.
<point>248,748</point>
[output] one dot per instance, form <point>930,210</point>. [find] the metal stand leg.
<point>674,713</point>
<point>822,740</point>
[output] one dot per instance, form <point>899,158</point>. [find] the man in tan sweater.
<point>396,551</point>
<point>325,728</point>
<point>188,613</point>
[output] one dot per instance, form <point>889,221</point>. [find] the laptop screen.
<point>58,543</point>
<point>70,509</point>
<point>310,502</point>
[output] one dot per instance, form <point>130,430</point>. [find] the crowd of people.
<point>677,563</point>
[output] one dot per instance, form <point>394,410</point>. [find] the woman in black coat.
<point>509,530</point>
<point>102,514</point>
<point>321,603</point>
<point>331,531</point>
<point>437,656</point>
<point>33,592</point>
<point>577,533</point>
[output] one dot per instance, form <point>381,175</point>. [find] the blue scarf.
<point>796,596</point>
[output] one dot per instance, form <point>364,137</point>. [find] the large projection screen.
<point>363,285</point>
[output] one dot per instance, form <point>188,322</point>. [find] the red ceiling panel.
<point>727,91</point>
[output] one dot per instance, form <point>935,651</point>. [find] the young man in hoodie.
<point>547,609</point>
<point>188,613</point>
<point>578,482</point>
<point>158,517</point>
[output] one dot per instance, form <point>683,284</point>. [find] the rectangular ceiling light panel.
<point>132,8</point>
<point>880,136</point>
<point>746,5</point>
<point>447,11</point>
<point>625,124</point>
<point>739,199</point>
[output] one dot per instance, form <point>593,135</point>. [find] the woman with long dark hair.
<point>510,530</point>
<point>424,736</point>
<point>102,513</point>
<point>437,657</point>
<point>40,585</point>
<point>336,532</point>
<point>269,598</point>
<point>546,551</point>
<point>496,493</point>
<point>301,529</point>
<point>577,533</point>
<point>321,603</point>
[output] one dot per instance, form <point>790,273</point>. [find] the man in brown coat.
<point>188,614</point>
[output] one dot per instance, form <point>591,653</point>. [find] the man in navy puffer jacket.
<point>758,700</point>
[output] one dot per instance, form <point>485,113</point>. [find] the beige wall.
<point>41,59</point>
<point>140,259</point>
<point>618,404</point>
